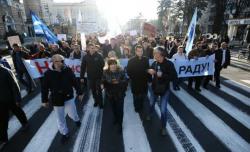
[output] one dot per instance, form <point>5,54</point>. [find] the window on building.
<point>19,14</point>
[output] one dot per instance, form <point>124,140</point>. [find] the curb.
<point>242,66</point>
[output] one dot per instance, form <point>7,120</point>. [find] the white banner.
<point>188,68</point>
<point>201,67</point>
<point>62,37</point>
<point>38,67</point>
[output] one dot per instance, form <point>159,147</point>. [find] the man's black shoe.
<point>25,127</point>
<point>78,123</point>
<point>204,86</point>
<point>95,104</point>
<point>218,86</point>
<point>64,138</point>
<point>101,106</point>
<point>163,132</point>
<point>119,129</point>
<point>198,89</point>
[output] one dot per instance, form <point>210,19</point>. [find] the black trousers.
<point>19,113</point>
<point>217,76</point>
<point>138,101</point>
<point>207,79</point>
<point>95,86</point>
<point>117,108</point>
<point>197,82</point>
<point>4,118</point>
<point>27,83</point>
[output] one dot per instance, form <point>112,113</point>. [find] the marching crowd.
<point>101,70</point>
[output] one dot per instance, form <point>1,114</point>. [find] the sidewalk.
<point>239,63</point>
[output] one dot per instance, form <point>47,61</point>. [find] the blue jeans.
<point>163,104</point>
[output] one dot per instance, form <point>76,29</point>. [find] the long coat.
<point>137,72</point>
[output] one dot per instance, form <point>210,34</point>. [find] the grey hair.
<point>56,56</point>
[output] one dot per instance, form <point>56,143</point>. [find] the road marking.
<point>227,107</point>
<point>43,138</point>
<point>185,129</point>
<point>29,109</point>
<point>246,81</point>
<point>239,85</point>
<point>171,132</point>
<point>134,136</point>
<point>242,98</point>
<point>217,126</point>
<point>88,138</point>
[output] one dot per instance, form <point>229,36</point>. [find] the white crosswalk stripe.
<point>134,135</point>
<point>227,107</point>
<point>229,137</point>
<point>44,136</point>
<point>29,109</point>
<point>240,85</point>
<point>242,98</point>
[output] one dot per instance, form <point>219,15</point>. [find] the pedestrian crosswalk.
<point>212,120</point>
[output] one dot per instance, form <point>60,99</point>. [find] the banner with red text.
<point>187,68</point>
<point>38,67</point>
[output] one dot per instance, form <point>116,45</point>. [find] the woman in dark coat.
<point>115,84</point>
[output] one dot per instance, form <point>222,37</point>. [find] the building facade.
<point>77,17</point>
<point>12,17</point>
<point>238,20</point>
<point>207,19</point>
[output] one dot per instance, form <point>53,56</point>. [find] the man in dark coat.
<point>59,81</point>
<point>93,64</point>
<point>222,60</point>
<point>106,47</point>
<point>17,56</point>
<point>56,50</point>
<point>194,55</point>
<point>137,71</point>
<point>10,99</point>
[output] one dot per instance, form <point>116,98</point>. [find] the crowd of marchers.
<point>102,74</point>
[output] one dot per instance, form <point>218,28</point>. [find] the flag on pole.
<point>191,32</point>
<point>41,29</point>
<point>79,22</point>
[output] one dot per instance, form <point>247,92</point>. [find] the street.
<point>212,120</point>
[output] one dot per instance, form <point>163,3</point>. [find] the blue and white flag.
<point>41,29</point>
<point>191,32</point>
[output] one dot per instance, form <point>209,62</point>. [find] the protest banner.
<point>188,68</point>
<point>62,37</point>
<point>149,30</point>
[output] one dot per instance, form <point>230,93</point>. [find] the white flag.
<point>191,32</point>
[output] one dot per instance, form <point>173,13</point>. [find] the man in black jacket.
<point>222,60</point>
<point>10,99</point>
<point>59,80</point>
<point>17,56</point>
<point>137,71</point>
<point>106,47</point>
<point>93,63</point>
